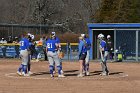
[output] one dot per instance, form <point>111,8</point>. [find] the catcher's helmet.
<point>100,36</point>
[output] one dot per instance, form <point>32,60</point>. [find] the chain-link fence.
<point>127,43</point>
<point>13,30</point>
<point>71,51</point>
<point>12,51</point>
<point>10,31</point>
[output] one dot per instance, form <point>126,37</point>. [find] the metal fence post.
<point>70,52</point>
<point>115,58</point>
<point>137,35</point>
<point>67,46</point>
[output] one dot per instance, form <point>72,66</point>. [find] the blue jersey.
<point>88,43</point>
<point>82,47</point>
<point>50,44</point>
<point>103,44</point>
<point>24,44</point>
<point>57,39</point>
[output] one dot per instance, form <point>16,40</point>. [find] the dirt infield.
<point>123,78</point>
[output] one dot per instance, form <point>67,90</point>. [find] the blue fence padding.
<point>10,52</point>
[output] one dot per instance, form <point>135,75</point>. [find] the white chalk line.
<point>14,75</point>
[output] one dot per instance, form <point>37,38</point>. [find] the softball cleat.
<point>30,73</point>
<point>87,73</point>
<point>103,74</point>
<point>80,75</point>
<point>19,73</point>
<point>52,75</point>
<point>26,75</point>
<point>61,76</point>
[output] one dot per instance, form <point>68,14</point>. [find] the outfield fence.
<point>11,50</point>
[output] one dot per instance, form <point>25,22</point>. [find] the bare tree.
<point>68,15</point>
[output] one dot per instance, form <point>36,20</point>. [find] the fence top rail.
<point>13,44</point>
<point>119,29</point>
<point>29,25</point>
<point>9,44</point>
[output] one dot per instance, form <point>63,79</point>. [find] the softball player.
<point>58,50</point>
<point>104,53</point>
<point>86,68</point>
<point>30,55</point>
<point>51,49</point>
<point>82,54</point>
<point>109,46</point>
<point>24,46</point>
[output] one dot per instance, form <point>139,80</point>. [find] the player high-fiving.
<point>24,54</point>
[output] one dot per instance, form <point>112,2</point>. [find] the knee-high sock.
<point>51,69</point>
<point>59,69</point>
<point>25,69</point>
<point>20,67</point>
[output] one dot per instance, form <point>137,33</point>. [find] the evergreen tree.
<point>118,11</point>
